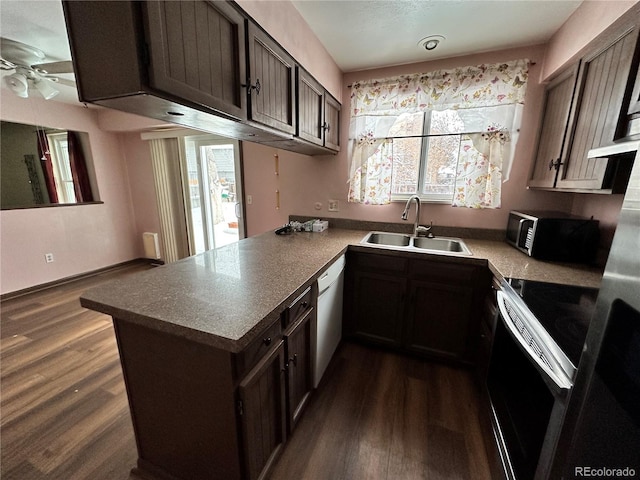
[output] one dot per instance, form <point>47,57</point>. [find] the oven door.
<point>527,405</point>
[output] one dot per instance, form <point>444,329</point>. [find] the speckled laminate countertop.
<point>228,296</point>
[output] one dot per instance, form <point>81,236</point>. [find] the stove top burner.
<point>563,310</point>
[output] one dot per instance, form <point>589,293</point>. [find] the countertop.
<point>228,296</point>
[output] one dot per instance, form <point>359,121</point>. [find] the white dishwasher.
<point>329,329</point>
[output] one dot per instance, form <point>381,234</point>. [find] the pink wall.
<point>586,23</point>
<point>82,238</point>
<point>137,156</point>
<point>261,183</point>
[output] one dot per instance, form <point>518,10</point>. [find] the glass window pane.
<point>406,153</point>
<point>442,160</point>
<point>442,152</point>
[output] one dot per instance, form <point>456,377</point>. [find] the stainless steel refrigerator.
<point>606,395</point>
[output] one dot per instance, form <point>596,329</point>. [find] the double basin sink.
<point>404,242</point>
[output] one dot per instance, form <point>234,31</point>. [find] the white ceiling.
<point>362,34</point>
<point>358,34</point>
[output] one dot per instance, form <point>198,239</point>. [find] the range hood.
<point>615,149</point>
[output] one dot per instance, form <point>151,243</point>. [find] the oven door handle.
<point>557,381</point>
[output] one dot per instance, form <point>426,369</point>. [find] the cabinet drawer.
<point>297,308</point>
<point>446,272</point>
<point>251,355</point>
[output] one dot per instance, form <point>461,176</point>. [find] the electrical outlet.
<point>249,199</point>
<point>48,257</point>
<point>333,206</point>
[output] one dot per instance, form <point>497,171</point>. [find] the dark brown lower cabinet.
<point>439,319</point>
<point>299,366</point>
<point>261,409</point>
<point>379,302</point>
<point>414,304</point>
<point>183,404</point>
<point>200,413</point>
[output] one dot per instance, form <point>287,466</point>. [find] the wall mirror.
<point>42,166</point>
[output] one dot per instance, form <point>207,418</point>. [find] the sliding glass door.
<point>213,192</point>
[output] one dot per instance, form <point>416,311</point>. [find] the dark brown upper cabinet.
<point>196,51</point>
<point>200,64</point>
<point>318,113</point>
<point>586,108</point>
<point>331,123</point>
<point>552,148</point>
<point>632,128</point>
<point>270,82</point>
<point>310,108</point>
<point>602,82</point>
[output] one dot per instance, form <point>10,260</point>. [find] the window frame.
<point>60,159</point>
<point>436,198</point>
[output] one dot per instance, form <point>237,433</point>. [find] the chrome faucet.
<point>406,212</point>
<point>418,230</point>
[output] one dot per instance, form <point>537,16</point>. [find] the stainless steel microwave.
<point>557,236</point>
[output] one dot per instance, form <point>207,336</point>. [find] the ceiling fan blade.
<point>6,64</point>
<point>55,67</point>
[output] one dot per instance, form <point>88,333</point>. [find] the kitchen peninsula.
<point>204,343</point>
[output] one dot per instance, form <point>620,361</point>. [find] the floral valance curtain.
<point>488,99</point>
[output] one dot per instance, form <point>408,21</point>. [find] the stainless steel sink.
<point>389,239</point>
<point>441,244</point>
<point>404,242</point>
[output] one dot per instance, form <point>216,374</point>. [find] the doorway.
<point>212,191</point>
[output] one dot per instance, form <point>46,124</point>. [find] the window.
<point>59,150</point>
<point>447,135</point>
<point>426,149</point>
<point>45,166</point>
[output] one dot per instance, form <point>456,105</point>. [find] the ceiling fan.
<point>31,70</point>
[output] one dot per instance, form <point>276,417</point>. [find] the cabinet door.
<point>273,69</point>
<point>378,305</point>
<point>553,131</point>
<point>262,413</point>
<point>197,52</point>
<point>603,79</point>
<point>310,108</point>
<point>439,323</point>
<point>299,366</point>
<point>634,104</point>
<point>331,123</point>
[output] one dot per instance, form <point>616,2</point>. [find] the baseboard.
<point>80,276</point>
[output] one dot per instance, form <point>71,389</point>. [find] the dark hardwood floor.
<point>64,412</point>
<point>63,408</point>
<point>378,415</point>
